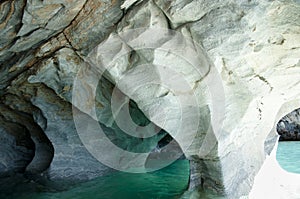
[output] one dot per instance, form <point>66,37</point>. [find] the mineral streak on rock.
<point>252,46</point>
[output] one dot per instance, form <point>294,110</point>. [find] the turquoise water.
<point>170,182</point>
<point>288,156</point>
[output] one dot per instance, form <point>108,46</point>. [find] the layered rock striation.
<point>212,78</point>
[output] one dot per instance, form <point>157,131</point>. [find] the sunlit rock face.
<point>218,84</point>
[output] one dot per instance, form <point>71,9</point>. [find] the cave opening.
<point>288,150</point>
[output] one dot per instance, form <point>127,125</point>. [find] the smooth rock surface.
<point>218,86</point>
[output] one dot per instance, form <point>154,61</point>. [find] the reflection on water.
<point>166,183</point>
<point>288,156</point>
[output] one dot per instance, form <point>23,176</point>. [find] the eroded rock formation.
<point>289,127</point>
<point>249,49</point>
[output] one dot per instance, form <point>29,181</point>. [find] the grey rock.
<point>252,47</point>
<point>16,149</point>
<point>182,12</point>
<point>10,23</point>
<point>42,20</point>
<point>43,150</point>
<point>59,72</point>
<point>234,36</point>
<point>93,24</point>
<point>71,160</point>
<point>289,126</point>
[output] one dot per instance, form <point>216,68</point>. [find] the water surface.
<point>169,182</point>
<point>288,156</point>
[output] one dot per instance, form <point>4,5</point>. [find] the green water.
<point>170,182</point>
<point>288,156</point>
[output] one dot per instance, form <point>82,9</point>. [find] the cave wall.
<point>43,47</point>
<point>247,57</point>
